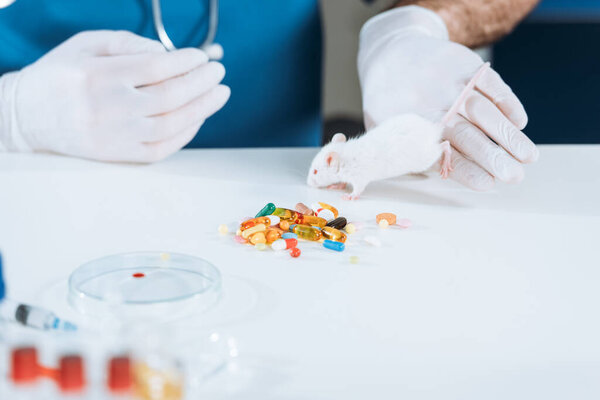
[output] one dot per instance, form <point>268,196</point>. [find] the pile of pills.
<point>281,229</point>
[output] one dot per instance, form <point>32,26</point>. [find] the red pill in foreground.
<point>295,252</point>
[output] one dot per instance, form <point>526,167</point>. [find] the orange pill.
<point>389,217</point>
<point>284,225</point>
<point>272,235</point>
<point>258,237</point>
<point>295,252</point>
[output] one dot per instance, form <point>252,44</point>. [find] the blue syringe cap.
<point>2,287</point>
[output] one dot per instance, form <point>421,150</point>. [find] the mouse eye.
<point>314,172</point>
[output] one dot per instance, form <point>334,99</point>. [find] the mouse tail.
<point>463,95</point>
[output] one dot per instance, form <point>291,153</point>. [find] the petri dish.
<point>158,286</point>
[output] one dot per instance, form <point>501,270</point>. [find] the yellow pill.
<point>307,232</point>
<point>261,246</point>
<point>285,214</point>
<point>350,228</point>
<point>384,224</point>
<point>284,225</point>
<point>258,237</point>
<point>310,220</point>
<point>223,229</point>
<point>333,234</point>
<point>354,260</point>
<point>249,232</point>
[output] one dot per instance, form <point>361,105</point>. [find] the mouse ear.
<point>338,138</point>
<point>333,160</point>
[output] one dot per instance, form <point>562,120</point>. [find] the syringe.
<point>33,317</point>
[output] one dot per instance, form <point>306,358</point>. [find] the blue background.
<point>552,62</point>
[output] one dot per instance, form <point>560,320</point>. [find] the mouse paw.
<point>446,162</point>
<point>337,186</point>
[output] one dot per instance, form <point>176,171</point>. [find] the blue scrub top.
<point>272,57</point>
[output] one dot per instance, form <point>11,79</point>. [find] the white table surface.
<point>487,296</point>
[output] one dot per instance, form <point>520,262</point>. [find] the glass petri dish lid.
<point>145,285</point>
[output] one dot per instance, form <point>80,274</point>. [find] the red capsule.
<point>291,243</point>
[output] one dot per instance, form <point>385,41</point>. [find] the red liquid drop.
<point>139,275</point>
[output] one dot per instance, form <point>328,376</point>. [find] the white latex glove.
<point>111,96</point>
<point>407,65</point>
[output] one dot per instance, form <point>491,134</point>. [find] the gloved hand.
<point>407,64</point>
<point>111,96</point>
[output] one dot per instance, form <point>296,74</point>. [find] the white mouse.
<point>400,145</point>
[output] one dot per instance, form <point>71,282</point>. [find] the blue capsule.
<point>289,235</point>
<point>337,246</point>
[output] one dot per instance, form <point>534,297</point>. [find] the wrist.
<point>398,22</point>
<point>10,135</point>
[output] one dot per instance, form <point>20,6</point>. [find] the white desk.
<point>488,296</point>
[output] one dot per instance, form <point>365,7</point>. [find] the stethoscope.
<point>212,49</point>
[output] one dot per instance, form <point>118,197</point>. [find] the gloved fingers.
<point>164,126</point>
<point>111,43</point>
<point>499,93</point>
<point>174,93</point>
<point>483,113</point>
<point>469,174</point>
<point>157,151</point>
<point>469,140</point>
<point>150,68</point>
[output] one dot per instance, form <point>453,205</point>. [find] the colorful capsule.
<point>331,208</point>
<point>267,221</point>
<point>291,243</point>
<point>295,252</point>
<point>285,214</point>
<point>282,244</point>
<point>334,234</point>
<point>338,223</point>
<point>272,235</point>
<point>332,245</point>
<point>251,231</point>
<point>258,237</point>
<point>389,217</point>
<point>266,210</point>
<point>289,235</point>
<point>307,232</point>
<point>310,220</point>
<point>304,209</point>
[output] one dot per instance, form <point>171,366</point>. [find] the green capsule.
<point>267,210</point>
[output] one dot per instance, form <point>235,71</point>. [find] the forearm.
<point>477,22</point>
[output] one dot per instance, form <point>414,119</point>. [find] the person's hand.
<point>407,65</point>
<point>111,96</point>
